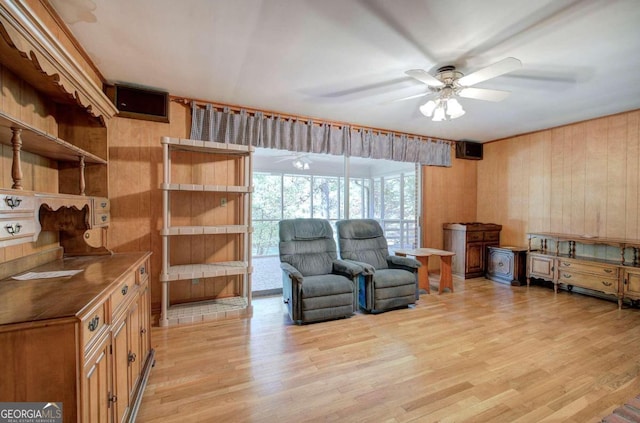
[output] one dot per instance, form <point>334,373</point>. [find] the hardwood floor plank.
<point>487,352</point>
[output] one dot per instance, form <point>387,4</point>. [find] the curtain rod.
<point>235,108</point>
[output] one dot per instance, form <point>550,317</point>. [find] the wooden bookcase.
<point>206,232</point>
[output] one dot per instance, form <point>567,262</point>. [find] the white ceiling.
<point>344,60</point>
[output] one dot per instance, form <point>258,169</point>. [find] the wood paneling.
<point>580,178</point>
<point>448,195</point>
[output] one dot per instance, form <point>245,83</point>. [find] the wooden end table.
<point>422,255</point>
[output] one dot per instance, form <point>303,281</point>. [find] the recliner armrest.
<point>399,261</point>
<point>367,269</point>
<point>347,267</point>
<point>291,271</point>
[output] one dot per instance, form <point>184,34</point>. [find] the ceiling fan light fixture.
<point>301,164</point>
<point>428,108</point>
<point>438,114</point>
<point>454,108</point>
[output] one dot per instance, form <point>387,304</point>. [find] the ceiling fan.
<point>448,83</point>
<point>299,161</point>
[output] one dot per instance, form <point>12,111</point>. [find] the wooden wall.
<point>448,195</point>
<point>581,179</point>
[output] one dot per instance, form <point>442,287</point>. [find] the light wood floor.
<point>486,353</point>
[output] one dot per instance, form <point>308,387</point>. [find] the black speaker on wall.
<point>468,150</point>
<point>139,103</point>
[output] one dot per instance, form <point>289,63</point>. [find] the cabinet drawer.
<point>16,203</point>
<point>17,227</point>
<point>492,236</point>
<point>142,274</point>
<point>595,268</point>
<point>124,291</point>
<point>585,280</point>
<point>92,324</point>
<point>475,236</point>
<point>101,215</point>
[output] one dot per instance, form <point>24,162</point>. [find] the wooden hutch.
<point>83,339</point>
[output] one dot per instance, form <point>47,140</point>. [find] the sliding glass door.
<point>289,185</point>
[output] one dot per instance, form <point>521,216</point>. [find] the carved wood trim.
<point>25,33</point>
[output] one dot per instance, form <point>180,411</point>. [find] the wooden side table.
<point>422,255</point>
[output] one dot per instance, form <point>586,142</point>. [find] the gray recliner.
<point>388,281</point>
<point>316,285</point>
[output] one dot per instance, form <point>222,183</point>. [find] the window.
<point>377,189</point>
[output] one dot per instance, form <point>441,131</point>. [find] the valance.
<point>259,130</point>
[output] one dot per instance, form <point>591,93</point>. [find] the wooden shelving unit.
<point>237,185</point>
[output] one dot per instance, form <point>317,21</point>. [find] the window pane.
<point>392,197</point>
<point>296,196</point>
<point>326,197</point>
<point>266,196</point>
<point>265,237</point>
<point>409,209</point>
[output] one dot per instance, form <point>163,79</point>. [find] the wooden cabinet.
<point>224,225</point>
<point>507,264</point>
<point>605,265</point>
<point>540,266</point>
<point>82,340</point>
<point>631,283</point>
<point>470,241</point>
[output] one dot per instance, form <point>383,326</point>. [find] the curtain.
<point>258,130</point>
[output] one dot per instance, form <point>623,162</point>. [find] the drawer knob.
<point>103,204</point>
<point>143,270</point>
<point>564,263</point>
<point>143,331</point>
<point>608,270</point>
<point>566,275</point>
<point>93,324</point>
<point>132,357</point>
<point>103,217</point>
<point>605,283</point>
<point>13,229</point>
<point>125,289</point>
<point>12,202</point>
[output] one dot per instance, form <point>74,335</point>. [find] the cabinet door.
<point>120,370</point>
<point>475,258</point>
<point>145,324</point>
<point>632,284</point>
<point>541,267</point>
<point>96,395</point>
<point>134,356</point>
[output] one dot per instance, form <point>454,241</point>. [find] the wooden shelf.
<point>207,146</point>
<point>44,144</point>
<point>210,270</point>
<point>206,188</point>
<point>205,230</point>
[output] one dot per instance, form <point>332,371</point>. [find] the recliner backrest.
<point>308,245</point>
<point>363,240</point>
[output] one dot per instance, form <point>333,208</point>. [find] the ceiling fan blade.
<point>425,77</point>
<point>499,68</point>
<point>484,94</point>
<point>410,97</point>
